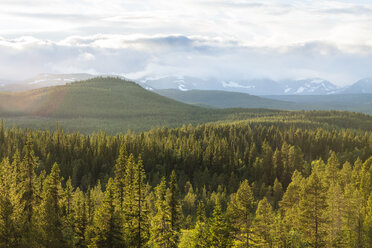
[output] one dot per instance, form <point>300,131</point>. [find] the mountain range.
<point>260,87</point>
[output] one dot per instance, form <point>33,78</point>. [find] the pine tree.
<point>51,213</point>
<point>367,225</point>
<point>219,231</point>
<point>313,206</point>
<point>174,207</point>
<point>136,226</point>
<point>27,197</point>
<point>200,233</point>
<point>335,212</point>
<point>161,230</point>
<point>240,209</point>
<point>353,216</point>
<point>107,222</point>
<point>277,192</point>
<point>80,219</point>
<point>8,232</point>
<point>119,179</point>
<point>332,169</point>
<point>263,225</point>
<point>68,212</point>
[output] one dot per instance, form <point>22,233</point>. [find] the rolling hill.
<point>224,99</point>
<point>111,104</point>
<point>114,105</point>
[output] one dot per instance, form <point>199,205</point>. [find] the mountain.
<point>181,83</point>
<point>43,80</point>
<point>363,86</point>
<point>223,99</point>
<point>315,86</point>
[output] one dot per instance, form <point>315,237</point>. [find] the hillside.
<point>345,102</point>
<point>223,99</point>
<point>226,99</point>
<point>114,105</point>
<point>111,104</point>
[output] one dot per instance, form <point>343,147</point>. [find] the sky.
<point>224,39</point>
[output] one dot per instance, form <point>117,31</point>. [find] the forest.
<point>231,184</point>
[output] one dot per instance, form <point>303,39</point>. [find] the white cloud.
<point>209,38</point>
<point>139,56</point>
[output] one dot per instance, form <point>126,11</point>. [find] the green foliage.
<point>107,222</point>
<point>263,225</point>
<point>139,190</point>
<point>313,206</point>
<point>219,231</point>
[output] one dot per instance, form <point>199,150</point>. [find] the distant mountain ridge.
<point>260,87</point>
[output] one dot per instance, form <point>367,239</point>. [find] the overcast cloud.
<point>227,39</point>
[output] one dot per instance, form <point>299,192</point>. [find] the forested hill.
<point>114,105</point>
<point>224,99</point>
<point>109,104</point>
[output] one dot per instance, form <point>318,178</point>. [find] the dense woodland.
<point>242,184</point>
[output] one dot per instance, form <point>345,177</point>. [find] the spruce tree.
<point>80,219</point>
<point>312,208</point>
<point>219,231</point>
<point>136,226</point>
<point>161,230</point>
<point>27,197</point>
<point>8,232</point>
<point>51,212</point>
<point>119,178</point>
<point>200,233</point>
<point>107,222</point>
<point>263,225</point>
<point>174,204</point>
<point>240,210</point>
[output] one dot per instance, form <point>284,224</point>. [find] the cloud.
<point>137,56</point>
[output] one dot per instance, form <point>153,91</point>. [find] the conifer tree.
<point>263,225</point>
<point>27,197</point>
<point>136,224</point>
<point>107,222</point>
<point>80,219</point>
<point>8,232</point>
<point>335,212</point>
<point>219,231</point>
<point>51,213</point>
<point>353,216</point>
<point>313,206</point>
<point>68,212</point>
<point>367,225</point>
<point>161,230</point>
<point>332,169</point>
<point>240,209</point>
<point>119,179</point>
<point>277,192</point>
<point>174,204</point>
<point>200,233</point>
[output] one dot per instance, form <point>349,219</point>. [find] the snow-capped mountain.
<point>316,86</point>
<point>255,86</point>
<point>182,83</point>
<point>362,86</point>
<point>313,86</point>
